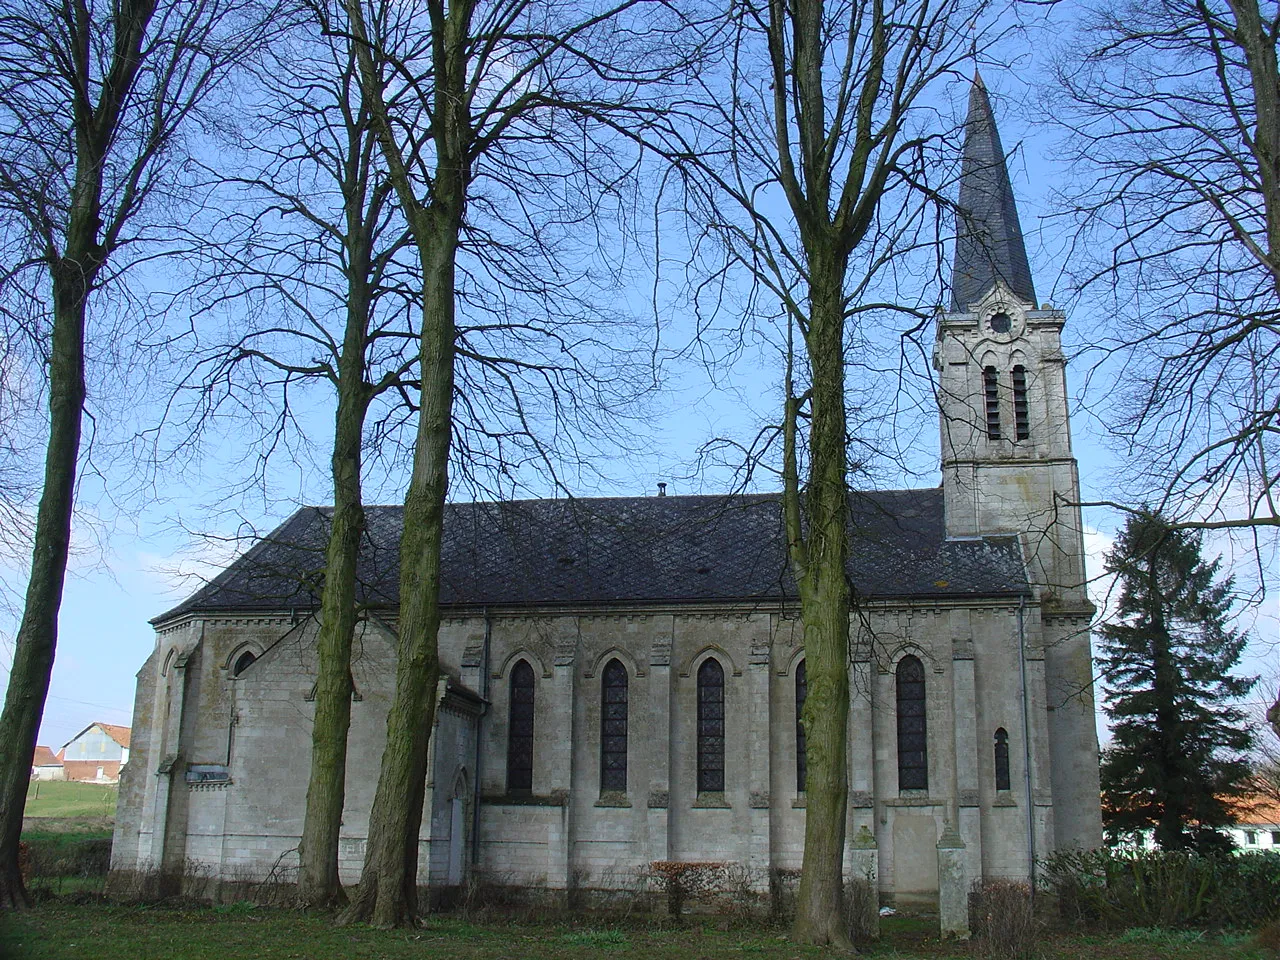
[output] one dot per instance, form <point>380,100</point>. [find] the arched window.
<point>520,730</point>
<point>242,663</point>
<point>991,393</point>
<point>613,727</point>
<point>913,751</point>
<point>802,688</point>
<point>710,727</point>
<point>1021,413</point>
<point>1002,759</point>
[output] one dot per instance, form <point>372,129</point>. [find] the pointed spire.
<point>989,243</point>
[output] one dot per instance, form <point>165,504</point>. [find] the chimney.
<point>662,489</point>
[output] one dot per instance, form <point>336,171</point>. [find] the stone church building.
<point>624,676</point>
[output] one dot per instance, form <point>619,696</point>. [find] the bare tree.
<point>93,97</point>
<point>18,397</point>
<point>1173,112</point>
<point>306,260</point>
<point>503,161</point>
<point>824,151</point>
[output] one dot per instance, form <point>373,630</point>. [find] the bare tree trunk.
<point>38,632</point>
<point>318,882</point>
<point>822,578</point>
<point>387,895</point>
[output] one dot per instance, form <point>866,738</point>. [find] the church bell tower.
<point>1007,465</point>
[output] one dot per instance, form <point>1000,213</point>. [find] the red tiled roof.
<point>117,733</point>
<point>1258,811</point>
<point>44,758</point>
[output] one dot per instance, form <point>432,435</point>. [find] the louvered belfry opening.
<point>710,727</point>
<point>913,756</point>
<point>613,727</point>
<point>802,689</point>
<point>520,731</point>
<point>991,393</point>
<point>1021,412</point>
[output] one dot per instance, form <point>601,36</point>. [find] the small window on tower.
<point>991,393</point>
<point>1001,322</point>
<point>1021,414</point>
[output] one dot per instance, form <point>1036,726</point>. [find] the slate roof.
<point>989,244</point>
<point>625,549</point>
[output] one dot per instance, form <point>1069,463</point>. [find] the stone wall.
<point>568,832</point>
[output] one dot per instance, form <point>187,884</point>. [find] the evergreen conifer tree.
<point>1177,758</point>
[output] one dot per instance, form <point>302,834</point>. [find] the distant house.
<point>96,753</point>
<point>45,765</point>
<point>1258,827</point>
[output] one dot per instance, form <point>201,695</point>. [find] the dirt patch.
<point>68,824</point>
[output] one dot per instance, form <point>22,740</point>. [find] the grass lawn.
<point>58,930</point>
<point>65,798</point>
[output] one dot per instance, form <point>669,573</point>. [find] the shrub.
<point>1166,889</point>
<point>51,856</point>
<point>862,904</point>
<point>784,882</point>
<point>1002,917</point>
<point>686,881</point>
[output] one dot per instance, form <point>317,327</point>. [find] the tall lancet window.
<point>1002,759</point>
<point>613,727</point>
<point>991,394</point>
<point>913,749</point>
<point>1021,412</point>
<point>802,689</point>
<point>710,727</point>
<point>520,730</point>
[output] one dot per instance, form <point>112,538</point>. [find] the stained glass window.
<point>802,688</point>
<point>913,756</point>
<point>710,727</point>
<point>613,727</point>
<point>520,731</point>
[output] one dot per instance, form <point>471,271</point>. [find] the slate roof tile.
<point>623,549</point>
<point>989,244</point>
